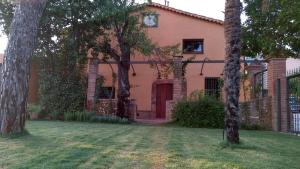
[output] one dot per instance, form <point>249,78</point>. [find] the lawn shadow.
<point>16,135</point>
<point>243,145</point>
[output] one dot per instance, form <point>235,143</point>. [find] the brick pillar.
<point>178,79</point>
<point>252,69</point>
<point>92,77</point>
<point>277,89</point>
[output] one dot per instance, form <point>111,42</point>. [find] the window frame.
<point>192,40</point>
<point>147,14</point>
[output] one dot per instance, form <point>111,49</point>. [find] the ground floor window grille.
<point>213,87</point>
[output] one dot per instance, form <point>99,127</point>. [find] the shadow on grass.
<point>242,145</point>
<point>16,135</point>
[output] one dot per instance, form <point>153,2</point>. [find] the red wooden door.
<point>164,92</point>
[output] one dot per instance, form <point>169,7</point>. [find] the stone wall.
<point>277,92</point>
<point>169,108</point>
<point>257,112</point>
<point>106,107</point>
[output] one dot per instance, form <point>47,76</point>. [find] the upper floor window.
<point>150,20</point>
<point>193,46</point>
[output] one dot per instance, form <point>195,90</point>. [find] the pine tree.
<point>232,69</point>
<point>15,71</point>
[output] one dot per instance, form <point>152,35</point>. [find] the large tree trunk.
<point>232,69</point>
<point>123,86</point>
<point>16,67</point>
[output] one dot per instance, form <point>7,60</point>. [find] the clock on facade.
<point>150,20</point>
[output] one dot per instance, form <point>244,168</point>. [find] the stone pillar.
<point>253,69</point>
<point>277,89</point>
<point>92,78</point>
<point>178,79</point>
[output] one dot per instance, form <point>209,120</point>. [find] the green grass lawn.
<point>86,145</point>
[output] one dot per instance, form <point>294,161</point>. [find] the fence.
<point>295,128</point>
<point>261,84</point>
<point>257,112</point>
<point>293,88</point>
<point>283,90</point>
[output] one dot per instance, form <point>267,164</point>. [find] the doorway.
<point>164,92</point>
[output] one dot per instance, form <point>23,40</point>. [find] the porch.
<point>164,94</point>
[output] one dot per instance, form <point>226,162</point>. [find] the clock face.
<point>150,20</point>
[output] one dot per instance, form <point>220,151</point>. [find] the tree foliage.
<point>64,34</point>
<point>72,28</point>
<point>122,38</point>
<point>6,15</point>
<point>272,28</point>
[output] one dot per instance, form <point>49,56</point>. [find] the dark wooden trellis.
<point>153,62</point>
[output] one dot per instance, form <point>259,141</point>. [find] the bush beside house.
<point>34,111</point>
<point>199,111</point>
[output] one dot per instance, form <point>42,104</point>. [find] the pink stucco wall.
<point>172,29</point>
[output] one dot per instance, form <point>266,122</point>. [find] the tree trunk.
<point>232,69</point>
<point>15,71</point>
<point>123,87</point>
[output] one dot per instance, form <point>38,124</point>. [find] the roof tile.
<point>187,13</point>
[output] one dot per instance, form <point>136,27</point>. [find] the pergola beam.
<point>192,62</point>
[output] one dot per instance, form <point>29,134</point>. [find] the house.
<point>154,96</point>
<point>199,36</point>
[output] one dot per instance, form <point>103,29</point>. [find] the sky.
<point>210,8</point>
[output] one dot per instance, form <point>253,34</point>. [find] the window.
<point>150,20</point>
<point>213,87</point>
<point>192,46</point>
<point>107,93</point>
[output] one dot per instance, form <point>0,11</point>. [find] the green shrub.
<point>34,108</point>
<point>199,111</point>
<point>34,111</point>
<point>252,127</point>
<point>110,119</point>
<point>77,116</point>
<point>59,93</point>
